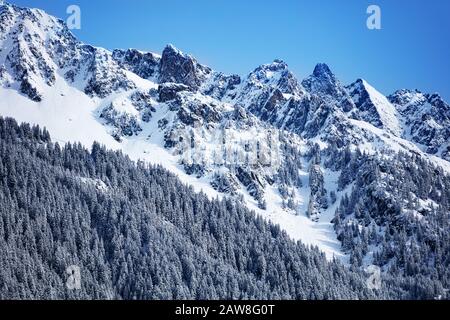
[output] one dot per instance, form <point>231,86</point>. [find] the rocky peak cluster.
<point>43,48</point>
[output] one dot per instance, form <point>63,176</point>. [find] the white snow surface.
<point>72,116</point>
<point>388,114</point>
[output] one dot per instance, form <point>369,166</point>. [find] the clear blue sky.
<point>234,36</point>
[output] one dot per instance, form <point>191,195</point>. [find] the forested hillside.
<point>137,232</point>
<point>397,215</point>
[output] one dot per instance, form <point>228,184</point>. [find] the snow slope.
<point>72,116</point>
<point>388,113</point>
<point>124,100</point>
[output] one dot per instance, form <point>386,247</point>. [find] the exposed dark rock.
<point>144,64</point>
<point>252,181</point>
<point>194,112</point>
<point>124,123</point>
<point>106,76</point>
<point>178,67</point>
<point>427,119</point>
<point>169,91</point>
<point>225,183</point>
<point>222,85</point>
<point>30,91</point>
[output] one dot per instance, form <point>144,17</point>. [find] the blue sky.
<point>234,36</point>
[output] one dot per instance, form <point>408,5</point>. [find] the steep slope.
<point>279,145</point>
<point>172,124</point>
<point>37,48</point>
<point>143,64</point>
<point>178,67</point>
<point>374,108</point>
<point>426,119</point>
<point>397,217</point>
<point>324,83</point>
<point>141,235</point>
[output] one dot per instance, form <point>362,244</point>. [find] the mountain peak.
<point>324,83</point>
<point>363,82</point>
<point>170,48</point>
<point>373,107</point>
<point>8,7</point>
<point>279,63</point>
<point>144,64</point>
<point>322,69</point>
<point>275,75</point>
<point>178,67</point>
<point>275,66</point>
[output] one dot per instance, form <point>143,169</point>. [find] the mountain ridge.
<point>289,149</point>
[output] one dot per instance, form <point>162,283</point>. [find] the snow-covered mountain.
<point>374,108</point>
<point>426,119</point>
<point>291,150</point>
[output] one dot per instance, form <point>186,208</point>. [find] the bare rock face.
<point>225,183</point>
<point>427,119</point>
<point>324,83</point>
<point>37,46</point>
<point>222,86</point>
<point>29,90</point>
<point>193,112</point>
<point>106,76</point>
<point>366,109</point>
<point>144,64</point>
<point>24,56</point>
<point>178,67</point>
<point>169,91</point>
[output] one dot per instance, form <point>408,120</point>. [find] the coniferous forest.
<point>312,188</point>
<point>137,232</point>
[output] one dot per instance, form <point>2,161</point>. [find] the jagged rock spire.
<point>178,67</point>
